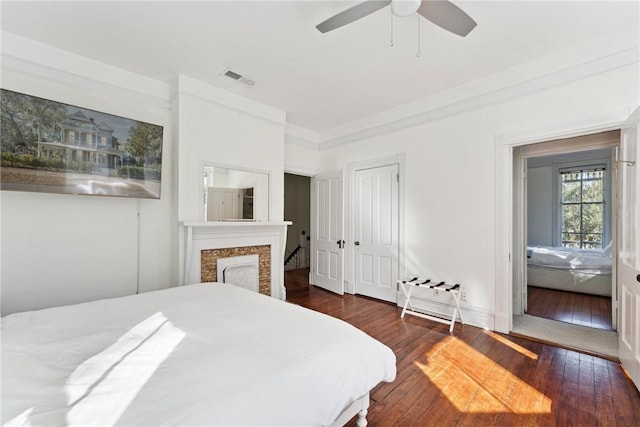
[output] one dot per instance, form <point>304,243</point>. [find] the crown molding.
<point>66,69</point>
<point>301,137</point>
<point>301,142</point>
<point>214,95</point>
<point>298,170</point>
<point>71,80</point>
<point>602,65</point>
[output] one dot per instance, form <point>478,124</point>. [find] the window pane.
<point>571,192</point>
<point>593,191</point>
<point>571,219</point>
<point>571,240</point>
<point>593,174</point>
<point>592,241</point>
<point>592,218</point>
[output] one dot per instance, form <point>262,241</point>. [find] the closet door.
<point>375,232</point>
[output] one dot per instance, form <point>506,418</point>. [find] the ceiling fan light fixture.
<point>404,7</point>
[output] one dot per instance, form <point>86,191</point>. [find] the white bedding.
<point>593,261</point>
<point>206,354</point>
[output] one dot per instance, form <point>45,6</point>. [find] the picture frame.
<point>48,146</point>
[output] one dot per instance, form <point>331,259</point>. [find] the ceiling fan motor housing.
<point>404,7</point>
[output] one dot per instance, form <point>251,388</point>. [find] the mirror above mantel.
<point>233,194</point>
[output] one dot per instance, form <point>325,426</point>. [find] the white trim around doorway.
<point>504,147</point>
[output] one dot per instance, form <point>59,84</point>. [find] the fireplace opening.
<point>211,272</point>
<point>240,271</point>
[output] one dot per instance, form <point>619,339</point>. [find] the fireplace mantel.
<point>202,235</point>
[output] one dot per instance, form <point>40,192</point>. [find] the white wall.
<point>62,249</point>
<point>450,168</point>
<point>540,206</point>
<point>450,173</point>
<point>301,160</point>
<point>218,127</point>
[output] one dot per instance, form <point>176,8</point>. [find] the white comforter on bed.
<point>207,354</point>
<point>597,261</point>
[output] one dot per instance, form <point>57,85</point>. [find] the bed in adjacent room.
<point>205,354</point>
<point>570,269</point>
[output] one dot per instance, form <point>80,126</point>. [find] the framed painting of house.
<point>52,147</point>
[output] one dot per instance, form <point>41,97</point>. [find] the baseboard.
<point>472,316</point>
<point>502,323</point>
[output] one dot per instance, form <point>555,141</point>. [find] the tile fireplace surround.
<point>204,236</point>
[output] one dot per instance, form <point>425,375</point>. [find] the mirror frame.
<point>205,163</point>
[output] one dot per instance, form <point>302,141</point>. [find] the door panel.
<point>326,233</point>
<point>321,262</point>
<point>629,248</point>
<point>375,230</point>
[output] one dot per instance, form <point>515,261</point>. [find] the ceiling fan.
<point>443,13</point>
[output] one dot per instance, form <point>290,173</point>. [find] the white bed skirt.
<point>583,282</point>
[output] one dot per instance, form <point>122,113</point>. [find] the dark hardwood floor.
<point>579,309</point>
<point>477,377</point>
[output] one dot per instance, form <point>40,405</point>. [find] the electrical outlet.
<point>463,294</point>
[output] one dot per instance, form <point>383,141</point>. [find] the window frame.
<point>557,197</point>
<point>581,204</point>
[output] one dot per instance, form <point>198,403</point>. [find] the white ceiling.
<point>322,81</point>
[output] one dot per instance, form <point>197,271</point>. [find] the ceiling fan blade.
<point>448,16</point>
<point>353,14</point>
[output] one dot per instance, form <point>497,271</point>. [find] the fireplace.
<point>207,242</point>
<point>210,261</point>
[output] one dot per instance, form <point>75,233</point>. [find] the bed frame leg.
<point>357,409</point>
<point>362,418</point>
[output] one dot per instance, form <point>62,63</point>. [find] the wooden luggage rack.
<point>454,290</point>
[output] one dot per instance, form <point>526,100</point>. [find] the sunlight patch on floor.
<point>464,375</point>
<point>531,355</point>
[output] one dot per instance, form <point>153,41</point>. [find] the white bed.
<point>206,354</point>
<point>570,269</point>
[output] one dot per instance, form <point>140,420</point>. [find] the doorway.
<point>297,202</point>
<point>564,227</point>
<point>569,237</point>
<point>357,215</point>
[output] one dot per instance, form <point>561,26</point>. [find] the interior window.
<point>582,207</point>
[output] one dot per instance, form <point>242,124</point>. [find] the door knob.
<point>356,243</point>
<point>638,278</point>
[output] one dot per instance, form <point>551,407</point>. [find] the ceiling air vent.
<point>238,77</point>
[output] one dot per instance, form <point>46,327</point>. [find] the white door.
<point>375,232</point>
<point>327,244</point>
<point>520,191</point>
<point>629,248</point>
